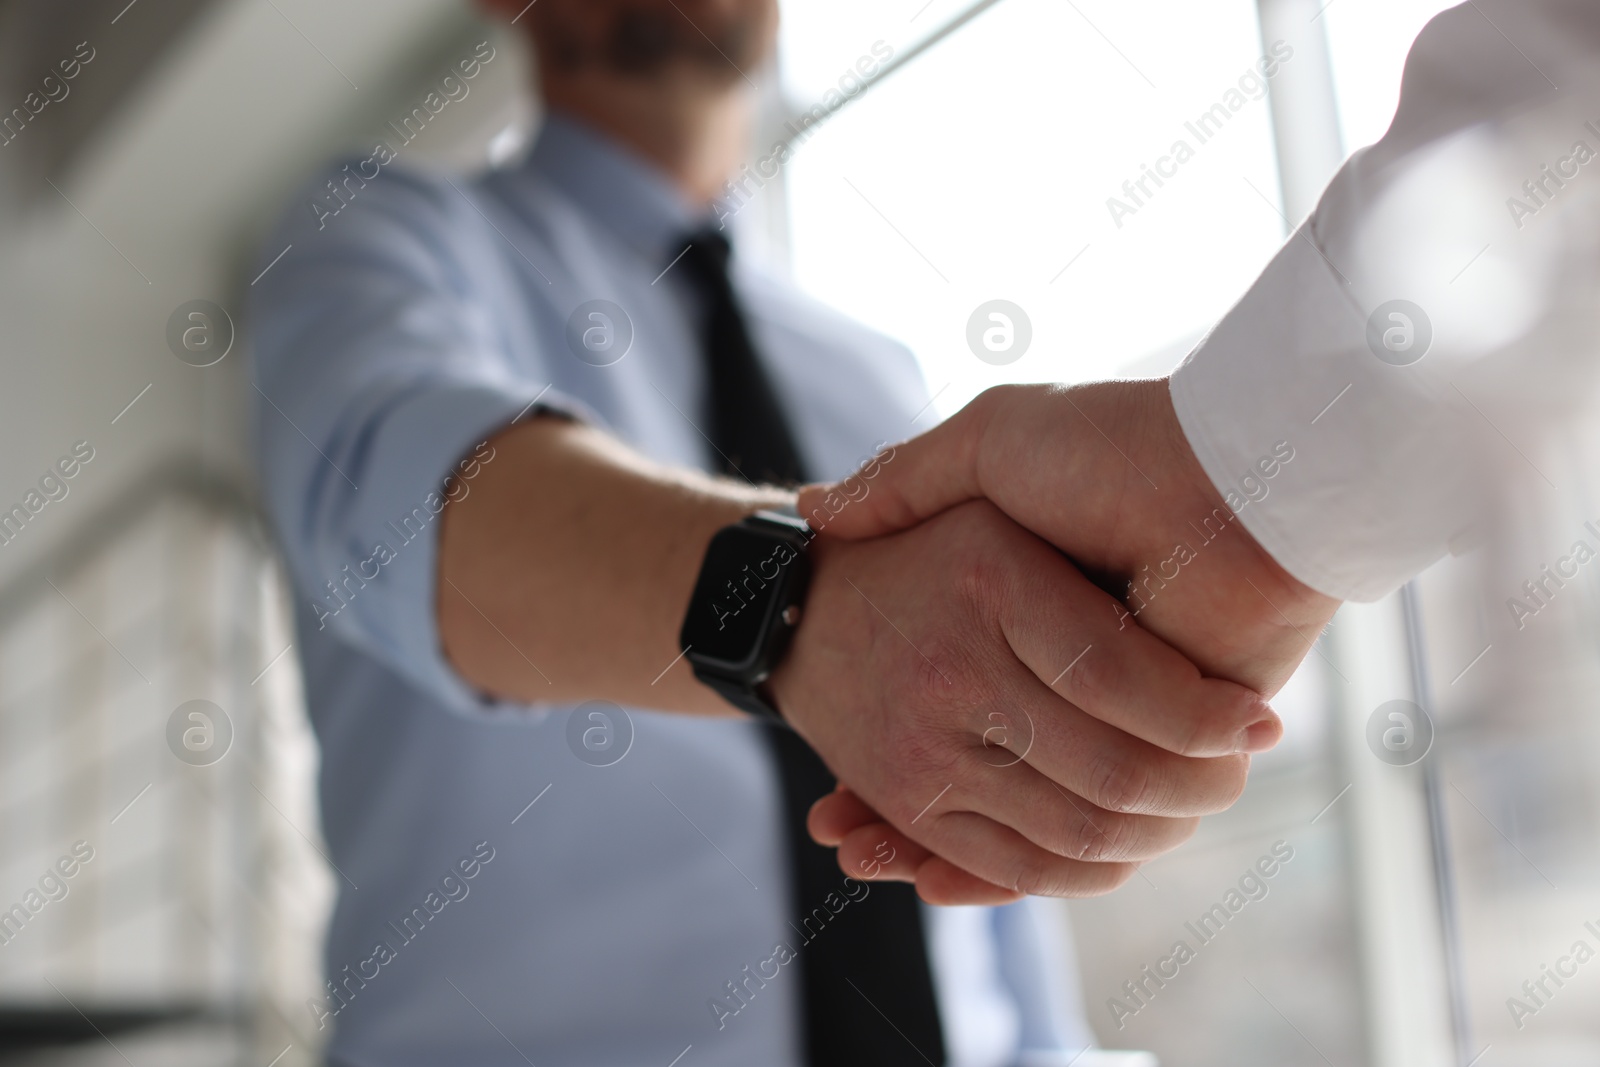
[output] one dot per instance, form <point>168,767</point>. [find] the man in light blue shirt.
<point>513,890</point>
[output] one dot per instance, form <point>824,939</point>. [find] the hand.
<point>985,700</point>
<point>1104,473</point>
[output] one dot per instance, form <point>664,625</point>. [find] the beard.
<point>641,40</point>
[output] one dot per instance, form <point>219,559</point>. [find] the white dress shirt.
<point>1480,207</point>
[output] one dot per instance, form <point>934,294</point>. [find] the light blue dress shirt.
<point>500,899</point>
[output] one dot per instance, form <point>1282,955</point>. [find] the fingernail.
<point>1260,736</point>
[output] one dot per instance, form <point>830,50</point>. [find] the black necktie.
<point>868,989</point>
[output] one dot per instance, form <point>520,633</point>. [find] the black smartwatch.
<point>746,605</point>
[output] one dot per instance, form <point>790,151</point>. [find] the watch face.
<point>745,576</point>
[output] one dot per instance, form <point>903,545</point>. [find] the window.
<point>187,896</point>
<point>983,170</point>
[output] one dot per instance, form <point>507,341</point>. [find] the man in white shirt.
<point>1392,380</point>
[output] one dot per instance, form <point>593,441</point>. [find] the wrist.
<point>786,688</point>
<point>748,595</point>
<point>1280,583</point>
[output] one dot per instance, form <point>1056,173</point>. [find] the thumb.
<point>901,485</point>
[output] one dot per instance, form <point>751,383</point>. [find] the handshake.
<point>996,718</point>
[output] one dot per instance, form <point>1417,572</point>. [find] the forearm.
<point>564,573</point>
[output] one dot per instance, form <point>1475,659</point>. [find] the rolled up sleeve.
<point>379,375</point>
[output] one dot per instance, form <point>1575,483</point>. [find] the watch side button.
<point>791,615</point>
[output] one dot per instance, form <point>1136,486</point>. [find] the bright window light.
<point>1368,41</point>
<point>983,171</point>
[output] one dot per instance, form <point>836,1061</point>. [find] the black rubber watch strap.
<point>742,697</point>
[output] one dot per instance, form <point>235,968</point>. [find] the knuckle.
<point>1033,875</point>
<point>987,404</point>
<point>977,574</point>
<point>1041,878</point>
<point>1124,782</point>
<point>918,767</point>
<point>1207,735</point>
<point>947,676</point>
<point>1108,837</point>
<point>1090,680</point>
<point>1214,723</point>
<point>1072,832</point>
<point>992,557</point>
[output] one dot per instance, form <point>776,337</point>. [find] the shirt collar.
<point>618,188</point>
